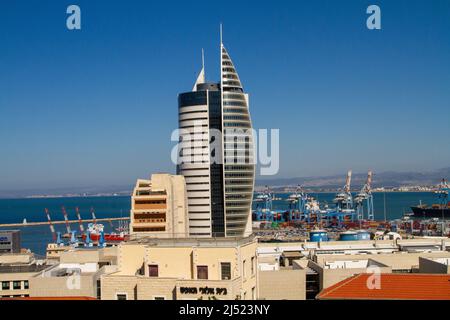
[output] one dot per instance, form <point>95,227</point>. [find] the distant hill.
<point>382,179</point>
<point>67,192</point>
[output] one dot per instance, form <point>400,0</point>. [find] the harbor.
<point>350,217</point>
<point>42,223</point>
<point>276,216</point>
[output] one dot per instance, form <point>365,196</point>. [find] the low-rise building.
<point>184,269</point>
<point>330,262</point>
<point>76,275</point>
<point>400,262</point>
<point>16,270</point>
<point>332,272</point>
<point>10,241</point>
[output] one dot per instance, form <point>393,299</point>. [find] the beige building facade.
<point>285,283</point>
<point>16,270</point>
<point>159,207</point>
<point>184,269</point>
<point>76,275</point>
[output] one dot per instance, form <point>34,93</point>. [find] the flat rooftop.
<point>22,268</point>
<point>191,242</point>
<point>350,264</point>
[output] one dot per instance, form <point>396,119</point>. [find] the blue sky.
<point>97,106</point>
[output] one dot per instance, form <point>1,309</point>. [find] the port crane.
<point>297,200</point>
<point>365,195</point>
<point>266,199</point>
<point>80,221</point>
<point>344,199</point>
<point>64,212</point>
<point>52,228</point>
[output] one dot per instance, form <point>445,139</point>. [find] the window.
<point>244,266</point>
<point>202,272</point>
<point>159,298</point>
<point>5,285</point>
<point>26,285</point>
<point>99,290</point>
<point>253,293</point>
<point>253,265</point>
<point>17,285</point>
<point>121,296</point>
<point>153,270</point>
<point>225,268</point>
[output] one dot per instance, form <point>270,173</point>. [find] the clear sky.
<point>97,106</point>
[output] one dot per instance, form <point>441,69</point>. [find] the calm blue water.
<point>36,238</point>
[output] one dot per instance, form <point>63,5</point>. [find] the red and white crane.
<point>80,221</point>
<point>66,220</point>
<point>93,216</point>
<point>52,228</point>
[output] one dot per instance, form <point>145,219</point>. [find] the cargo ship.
<point>439,210</point>
<point>95,229</point>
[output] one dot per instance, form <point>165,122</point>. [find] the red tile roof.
<point>392,286</point>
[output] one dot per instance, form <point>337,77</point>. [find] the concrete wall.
<point>284,284</point>
<point>430,266</point>
<point>151,288</point>
<point>10,277</point>
<point>96,255</point>
<point>248,272</point>
<point>113,284</point>
<point>398,261</point>
<point>16,258</point>
<point>329,277</point>
<point>172,262</point>
<point>131,257</point>
<point>71,286</point>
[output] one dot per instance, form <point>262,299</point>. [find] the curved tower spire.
<point>238,150</point>
<point>201,75</point>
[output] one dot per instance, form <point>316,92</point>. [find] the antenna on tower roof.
<point>203,59</point>
<point>221,33</point>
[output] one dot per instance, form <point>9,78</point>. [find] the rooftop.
<point>22,268</point>
<point>445,261</point>
<point>348,264</point>
<point>392,287</point>
<point>191,242</point>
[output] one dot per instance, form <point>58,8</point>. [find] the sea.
<point>393,204</point>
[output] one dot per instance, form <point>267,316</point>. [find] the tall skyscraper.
<point>216,154</point>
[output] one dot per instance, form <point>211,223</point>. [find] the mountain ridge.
<point>382,179</point>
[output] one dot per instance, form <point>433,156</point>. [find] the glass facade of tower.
<point>239,168</point>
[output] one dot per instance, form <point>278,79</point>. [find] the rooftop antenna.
<point>221,33</point>
<point>203,59</point>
